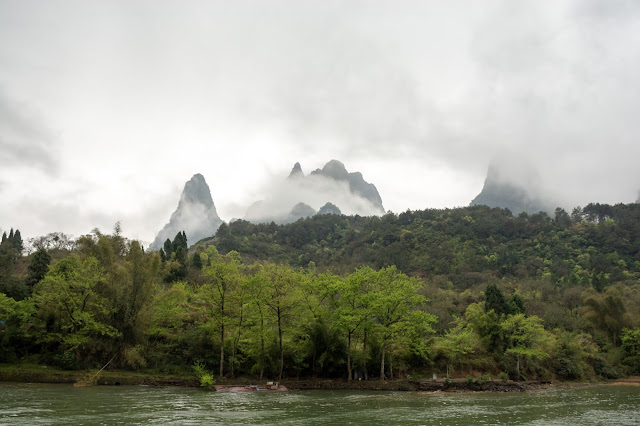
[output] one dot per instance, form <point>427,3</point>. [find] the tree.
<point>516,304</point>
<point>70,293</point>
<point>562,218</point>
<point>38,267</point>
<point>630,339</point>
<point>494,299</point>
<point>196,261</point>
<point>10,284</point>
<point>168,248</point>
<point>526,339</point>
<point>133,293</point>
<point>394,298</point>
<point>255,346</point>
<point>457,345</point>
<point>606,312</point>
<point>222,277</point>
<point>17,241</point>
<point>283,300</point>
<point>351,298</point>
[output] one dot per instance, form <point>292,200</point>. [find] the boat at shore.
<point>269,387</point>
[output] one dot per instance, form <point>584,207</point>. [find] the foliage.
<point>473,290</point>
<point>205,378</point>
<point>631,347</point>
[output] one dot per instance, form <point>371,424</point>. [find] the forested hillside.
<point>597,245</point>
<point>469,291</point>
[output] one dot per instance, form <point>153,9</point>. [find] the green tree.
<point>70,292</point>
<point>283,300</point>
<point>526,339</point>
<point>38,267</point>
<point>10,284</point>
<point>606,312</point>
<point>395,297</point>
<point>196,261</point>
<point>630,339</point>
<point>168,248</point>
<point>494,299</point>
<point>351,299</point>
<point>458,345</point>
<point>255,344</point>
<point>223,277</point>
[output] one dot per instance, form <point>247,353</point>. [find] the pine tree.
<point>167,248</point>
<point>17,241</point>
<point>196,261</point>
<point>494,299</point>
<point>38,267</point>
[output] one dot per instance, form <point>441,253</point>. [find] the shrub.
<point>484,378</point>
<point>207,381</point>
<point>503,376</point>
<point>204,377</point>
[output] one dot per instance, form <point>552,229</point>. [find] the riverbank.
<point>30,373</point>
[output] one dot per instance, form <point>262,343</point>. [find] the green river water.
<point>35,404</point>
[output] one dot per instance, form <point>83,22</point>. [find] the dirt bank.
<point>418,385</point>
<point>42,374</point>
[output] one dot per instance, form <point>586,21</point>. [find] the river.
<point>33,404</point>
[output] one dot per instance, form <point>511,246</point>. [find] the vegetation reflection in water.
<point>62,404</point>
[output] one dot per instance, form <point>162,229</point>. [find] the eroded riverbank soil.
<point>43,374</point>
<point>418,385</point>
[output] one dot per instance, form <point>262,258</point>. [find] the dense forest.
<point>462,292</point>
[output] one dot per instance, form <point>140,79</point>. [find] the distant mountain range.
<point>332,189</point>
<point>340,192</point>
<point>337,188</point>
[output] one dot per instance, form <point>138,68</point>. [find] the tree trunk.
<point>222,336</point>
<point>222,349</point>
<point>518,366</point>
<point>236,342</point>
<point>349,372</point>
<point>280,343</point>
<point>382,361</point>
<point>364,355</point>
<point>391,366</point>
<point>261,344</point>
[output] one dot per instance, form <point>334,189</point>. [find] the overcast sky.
<point>108,107</point>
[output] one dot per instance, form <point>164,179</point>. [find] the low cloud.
<point>25,139</point>
<point>280,195</point>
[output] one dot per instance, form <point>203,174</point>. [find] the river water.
<point>33,404</point>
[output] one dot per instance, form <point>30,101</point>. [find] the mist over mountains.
<point>515,185</point>
<point>511,183</point>
<point>196,214</point>
<point>331,189</point>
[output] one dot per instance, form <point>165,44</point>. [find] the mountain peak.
<point>502,188</point>
<point>296,171</point>
<point>357,185</point>
<point>196,190</point>
<point>196,214</point>
<point>329,208</point>
<point>336,170</point>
